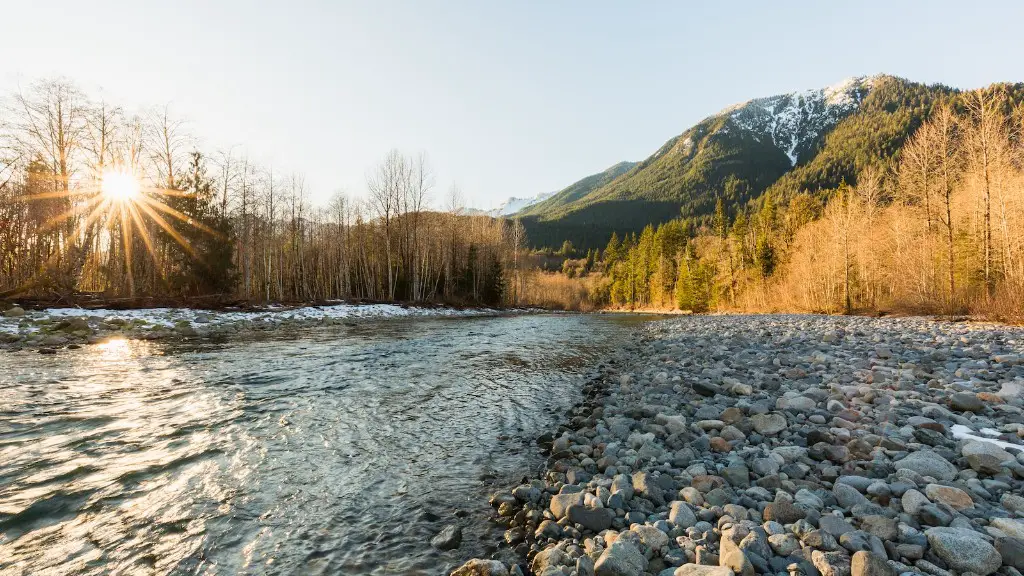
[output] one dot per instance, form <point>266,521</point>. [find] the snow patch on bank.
<point>962,432</point>
<point>171,317</point>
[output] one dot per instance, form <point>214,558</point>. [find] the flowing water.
<point>337,450</point>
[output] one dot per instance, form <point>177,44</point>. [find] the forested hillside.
<point>917,207</point>
<point>791,143</point>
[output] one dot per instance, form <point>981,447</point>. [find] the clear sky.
<point>506,98</point>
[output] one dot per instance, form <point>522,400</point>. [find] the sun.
<point>119,186</point>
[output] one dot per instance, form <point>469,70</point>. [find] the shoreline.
<point>50,329</point>
<point>810,445</point>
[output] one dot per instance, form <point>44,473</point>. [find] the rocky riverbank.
<point>790,445</point>
<point>51,329</point>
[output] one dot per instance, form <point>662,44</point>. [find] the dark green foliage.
<point>201,258</point>
<point>577,190</point>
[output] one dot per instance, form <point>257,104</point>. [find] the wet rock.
<point>449,538</point>
<point>14,312</point>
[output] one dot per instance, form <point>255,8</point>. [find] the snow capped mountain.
<point>513,204</point>
<point>794,121</point>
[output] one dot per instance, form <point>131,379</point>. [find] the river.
<point>332,450</point>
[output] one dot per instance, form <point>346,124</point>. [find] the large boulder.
<point>965,402</point>
<point>560,503</point>
<point>1011,527</point>
<point>985,457</point>
<point>680,514</point>
<point>481,567</point>
<point>768,424</point>
<point>622,558</point>
<point>731,556</point>
<point>448,538</point>
<point>547,558</point>
<point>867,564</point>
<point>953,497</point>
<point>831,563</point>
<point>593,519</point>
<point>645,485</point>
<point>928,463</point>
<point>964,550</point>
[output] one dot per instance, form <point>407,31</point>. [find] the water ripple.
<point>334,450</point>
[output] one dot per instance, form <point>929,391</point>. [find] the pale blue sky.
<point>511,98</point>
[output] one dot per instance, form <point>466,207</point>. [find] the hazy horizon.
<point>506,101</point>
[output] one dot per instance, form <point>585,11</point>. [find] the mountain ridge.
<point>779,142</point>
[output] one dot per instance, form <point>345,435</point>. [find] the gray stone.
<point>964,550</point>
<point>848,496</point>
<point>965,402</point>
<point>867,564</point>
<point>834,525</point>
<point>1013,503</point>
<point>449,538</point>
<point>621,559</point>
<point>1009,526</point>
<point>701,570</point>
<point>481,567</point>
<point>593,519</point>
<point>651,537</point>
<point>560,503</point>
<point>831,563</point>
<point>913,501</point>
<point>681,515</point>
<point>880,526</point>
<point>585,566</point>
<point>732,557</point>
<point>985,457</point>
<point>783,512</point>
<point>547,558</point>
<point>644,485</point>
<point>14,312</point>
<point>928,463</point>
<point>768,424</point>
<point>1012,551</point>
<point>783,544</point>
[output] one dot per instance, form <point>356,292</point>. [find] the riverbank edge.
<point>522,558</point>
<point>47,330</point>
<point>595,388</point>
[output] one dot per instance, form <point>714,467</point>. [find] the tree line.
<point>219,224</point>
<point>938,228</point>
